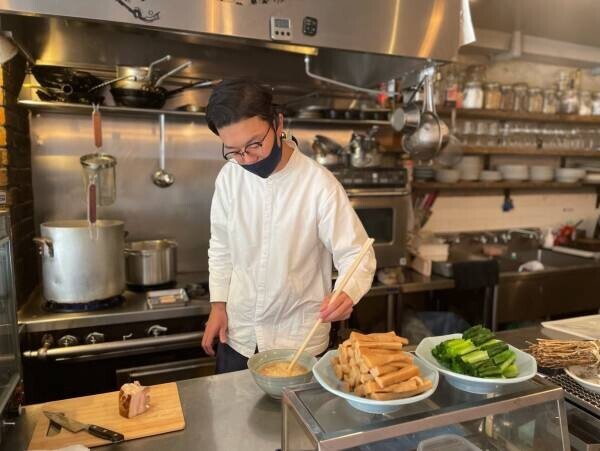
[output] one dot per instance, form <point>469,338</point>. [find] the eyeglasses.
<point>254,149</point>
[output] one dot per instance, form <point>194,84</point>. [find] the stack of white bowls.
<point>470,168</point>
<point>514,172</point>
<point>541,173</point>
<point>490,176</point>
<point>447,175</point>
<point>569,175</point>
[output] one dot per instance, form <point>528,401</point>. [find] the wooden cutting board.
<point>164,415</point>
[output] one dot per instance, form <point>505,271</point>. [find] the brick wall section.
<point>15,176</point>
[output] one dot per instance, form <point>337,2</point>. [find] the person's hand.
<point>216,327</point>
<point>340,309</point>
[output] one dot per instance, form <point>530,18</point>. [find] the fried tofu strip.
<point>401,375</point>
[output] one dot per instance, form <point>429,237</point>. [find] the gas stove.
<point>89,351</point>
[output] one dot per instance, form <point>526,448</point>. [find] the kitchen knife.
<point>76,426</point>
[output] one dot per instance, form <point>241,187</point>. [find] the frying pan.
<point>152,96</point>
<point>66,85</point>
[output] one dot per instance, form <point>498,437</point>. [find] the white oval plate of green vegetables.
<point>525,364</point>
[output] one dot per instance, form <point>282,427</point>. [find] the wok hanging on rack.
<point>62,84</point>
<point>152,96</point>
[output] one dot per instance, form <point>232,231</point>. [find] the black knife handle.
<point>106,434</point>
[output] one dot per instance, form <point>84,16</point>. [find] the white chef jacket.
<point>270,254</point>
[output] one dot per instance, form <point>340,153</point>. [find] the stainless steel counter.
<point>225,412</point>
<point>413,282</point>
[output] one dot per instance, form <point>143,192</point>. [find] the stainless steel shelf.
<point>340,122</point>
<point>79,108</point>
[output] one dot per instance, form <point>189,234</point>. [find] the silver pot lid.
<point>81,224</point>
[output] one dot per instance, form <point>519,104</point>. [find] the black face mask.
<point>265,167</point>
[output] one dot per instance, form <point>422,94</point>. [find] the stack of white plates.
<point>470,167</point>
<point>447,175</point>
<point>541,173</point>
<point>514,172</point>
<point>569,175</point>
<point>490,176</point>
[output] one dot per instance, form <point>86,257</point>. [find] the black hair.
<point>234,100</point>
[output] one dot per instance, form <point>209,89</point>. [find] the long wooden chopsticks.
<point>363,251</point>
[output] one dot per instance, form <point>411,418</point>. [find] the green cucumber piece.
<point>511,371</point>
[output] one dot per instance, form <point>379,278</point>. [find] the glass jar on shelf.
<point>535,100</point>
<point>451,89</point>
<point>550,101</point>
<point>508,98</point>
<point>476,73</point>
<point>491,96</point>
<point>585,103</point>
<point>520,97</point>
<point>596,104</point>
<point>569,102</point>
<point>473,95</point>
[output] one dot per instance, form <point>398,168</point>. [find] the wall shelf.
<point>503,185</point>
<point>500,115</point>
<point>528,151</point>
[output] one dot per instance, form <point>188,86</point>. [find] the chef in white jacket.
<point>277,219</point>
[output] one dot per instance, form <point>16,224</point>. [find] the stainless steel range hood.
<point>355,41</point>
<point>546,31</point>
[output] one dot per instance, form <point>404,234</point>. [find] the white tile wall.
<point>484,212</point>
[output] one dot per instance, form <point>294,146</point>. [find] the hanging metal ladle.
<point>162,178</point>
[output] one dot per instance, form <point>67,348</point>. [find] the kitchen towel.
<point>474,275</point>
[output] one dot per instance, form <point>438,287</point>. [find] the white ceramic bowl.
<point>541,173</point>
<point>447,175</point>
<point>471,162</point>
<point>469,175</point>
<point>569,175</point>
<point>516,172</point>
<point>273,386</point>
<point>526,363</point>
<point>588,385</point>
<point>592,178</point>
<point>324,374</point>
<point>490,176</point>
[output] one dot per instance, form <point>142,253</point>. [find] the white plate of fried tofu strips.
<point>374,375</point>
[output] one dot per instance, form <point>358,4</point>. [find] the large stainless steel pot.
<point>80,265</point>
<point>152,262</point>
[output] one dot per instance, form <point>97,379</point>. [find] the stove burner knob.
<point>156,330</point>
<point>67,340</point>
<point>94,337</point>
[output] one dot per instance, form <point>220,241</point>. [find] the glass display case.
<point>524,416</point>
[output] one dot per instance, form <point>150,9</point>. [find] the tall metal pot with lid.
<point>78,267</point>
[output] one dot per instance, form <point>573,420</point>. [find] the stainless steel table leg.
<point>495,309</point>
<point>391,311</point>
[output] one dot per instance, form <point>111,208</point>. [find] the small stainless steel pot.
<point>151,262</point>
